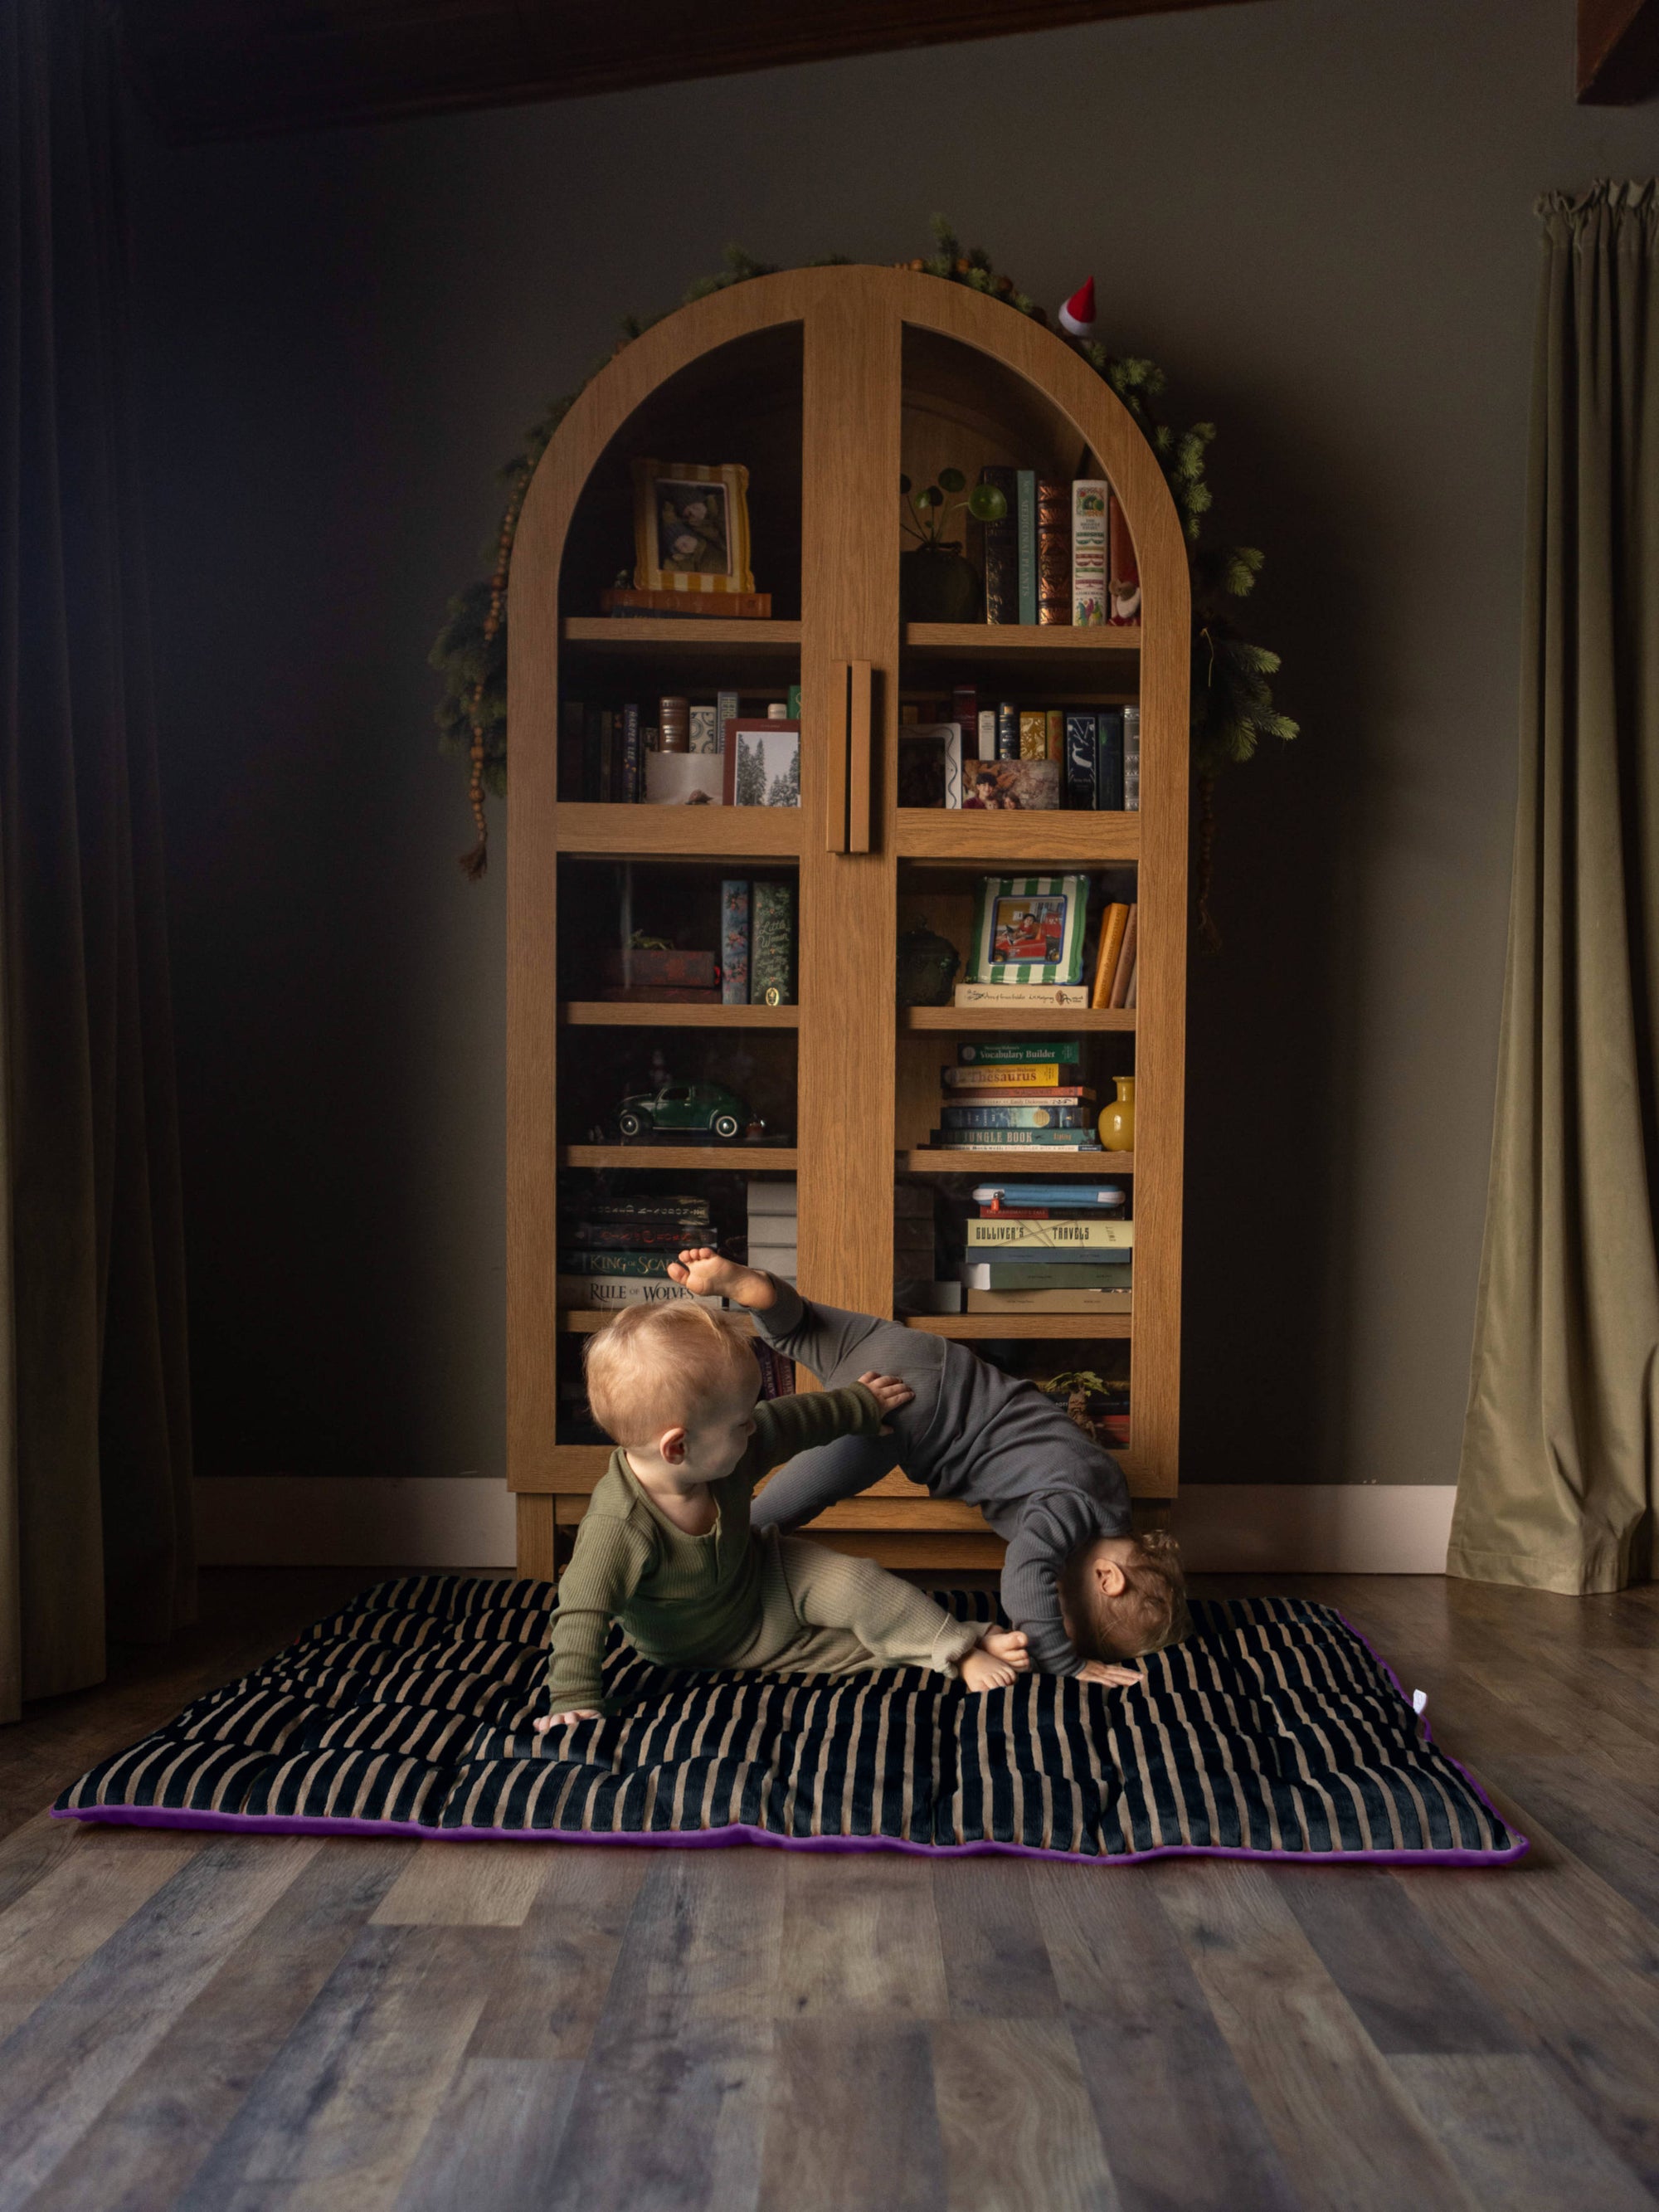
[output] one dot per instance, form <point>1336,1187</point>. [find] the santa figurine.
<point>1077,317</point>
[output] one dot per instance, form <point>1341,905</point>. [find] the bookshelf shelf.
<point>1059,1325</point>
<point>738,835</point>
<point>1042,1021</point>
<point>611,1014</point>
<point>1015,842</point>
<point>827,384</point>
<point>1021,1159</point>
<point>683,1159</point>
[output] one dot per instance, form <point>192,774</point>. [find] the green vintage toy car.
<point>684,1106</point>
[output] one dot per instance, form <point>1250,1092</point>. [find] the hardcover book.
<point>772,946</point>
<point>1027,1235</point>
<point>1033,734</point>
<point>988,733</point>
<point>1109,773</point>
<point>965,712</point>
<point>1067,1301</point>
<point>1001,552</point>
<point>1132,759</point>
<point>1047,1274</point>
<point>705,730</point>
<point>1081,741</point>
<point>1064,1052</point>
<point>681,1208</point>
<point>1026,519</point>
<point>1077,1093</point>
<point>1090,557</point>
<point>727,707</point>
<point>592,1293</point>
<point>1007,731</point>
<point>633,756</point>
<point>1059,1140</point>
<point>1020,994</point>
<point>1113,923</point>
<point>1054,552</point>
<point>1006,1075</point>
<point>643,1266</point>
<point>734,942</point>
<point>1126,961</point>
<point>1007,1116</point>
<point>1081,1193</point>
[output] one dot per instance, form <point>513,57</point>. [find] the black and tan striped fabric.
<point>1273,1730</point>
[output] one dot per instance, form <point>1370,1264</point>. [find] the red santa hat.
<point>1077,317</point>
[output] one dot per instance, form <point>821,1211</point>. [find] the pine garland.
<point>1232,707</point>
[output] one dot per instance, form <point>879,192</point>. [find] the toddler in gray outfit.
<point>1089,1595</point>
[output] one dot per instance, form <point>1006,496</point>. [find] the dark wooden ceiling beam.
<point>1618,51</point>
<point>235,69</point>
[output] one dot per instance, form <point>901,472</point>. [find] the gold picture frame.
<point>691,527</point>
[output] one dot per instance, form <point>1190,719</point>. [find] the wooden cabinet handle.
<point>848,797</point>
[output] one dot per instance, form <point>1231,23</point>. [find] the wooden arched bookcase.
<point>826,382</point>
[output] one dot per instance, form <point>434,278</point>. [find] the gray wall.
<point>1316,213</point>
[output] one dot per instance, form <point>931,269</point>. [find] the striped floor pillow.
<point>1272,1731</point>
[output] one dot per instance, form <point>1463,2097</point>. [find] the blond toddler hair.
<point>1149,1612</point>
<point>657,1367</point>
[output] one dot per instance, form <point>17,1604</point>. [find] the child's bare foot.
<point>1008,1644</point>
<point>980,1671</point>
<point>707,1275</point>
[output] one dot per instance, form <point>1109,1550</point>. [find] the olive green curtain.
<point>94,1421</point>
<point>1555,1490</point>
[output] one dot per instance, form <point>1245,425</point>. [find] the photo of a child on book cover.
<point>693,538</point>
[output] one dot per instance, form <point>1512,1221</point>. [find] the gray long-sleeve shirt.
<point>970,1432</point>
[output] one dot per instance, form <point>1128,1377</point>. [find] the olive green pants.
<point>823,1612</point>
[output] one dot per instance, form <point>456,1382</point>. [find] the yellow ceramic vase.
<point>1117,1122</point>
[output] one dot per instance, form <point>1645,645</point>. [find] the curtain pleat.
<point>95,1533</point>
<point>1557,1482</point>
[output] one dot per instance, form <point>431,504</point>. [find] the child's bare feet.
<point>707,1275</point>
<point>980,1671</point>
<point>1007,1644</point>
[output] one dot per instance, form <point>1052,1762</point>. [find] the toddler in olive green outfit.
<point>667,1549</point>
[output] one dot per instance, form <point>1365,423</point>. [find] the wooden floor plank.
<point>62,1918</point>
<point>546,2000</point>
<point>335,2121</point>
<point>1169,2104</point>
<point>1517,2139</point>
<point>852,2120</point>
<point>860,1935</point>
<point>476,1885</point>
<point>1015,2120</point>
<point>59,2071</point>
<point>31,1850</point>
<point>1610,1825</point>
<point>1345,2130</point>
<point>1406,1991</point>
<point>494,2144</point>
<point>147,2144</point>
<point>995,1961</point>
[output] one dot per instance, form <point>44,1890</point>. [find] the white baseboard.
<point>463,1521</point>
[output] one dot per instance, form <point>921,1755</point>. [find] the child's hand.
<point>563,1720</point>
<point>1108,1676</point>
<point>888,1393</point>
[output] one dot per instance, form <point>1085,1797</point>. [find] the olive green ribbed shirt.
<point>683,1601</point>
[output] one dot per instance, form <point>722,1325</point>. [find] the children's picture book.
<point>930,764</point>
<point>1029,929</point>
<point>1012,787</point>
<point>762,763</point>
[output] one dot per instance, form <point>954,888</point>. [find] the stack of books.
<point>1049,1248</point>
<point>615,1251</point>
<point>1016,1095</point>
<point>774,1227</point>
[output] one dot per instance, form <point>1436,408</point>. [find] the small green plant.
<point>927,516</point>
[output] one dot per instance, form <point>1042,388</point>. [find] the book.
<point>1132,759</point>
<point>1091,499</point>
<point>1030,1117</point>
<point>633,756</point>
<point>778,1199</point>
<point>1053,551</point>
<point>681,1208</point>
<point>1079,1301</point>
<point>1055,725</point>
<point>1081,761</point>
<point>930,764</point>
<point>1113,923</point>
<point>762,763</point>
<point>964,712</point>
<point>572,725</point>
<point>1033,734</point>
<point>1079,1096</point>
<point>593,1260</point>
<point>772,945</point>
<point>1026,1075</point>
<point>1001,551</point>
<point>1027,1235</point>
<point>1109,790</point>
<point>1126,961</point>
<point>792,704</point>
<point>1062,1052</point>
<point>1020,994</point>
<point>968,1140</point>
<point>705,730</point>
<point>1126,572</point>
<point>727,707</point>
<point>1025,544</point>
<point>988,733</point>
<point>1067,1194</point>
<point>729,606</point>
<point>1052,1273</point>
<point>734,942</point>
<point>596,1293</point>
<point>1007,731</point>
<point>636,1236</point>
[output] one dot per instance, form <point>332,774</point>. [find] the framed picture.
<point>691,527</point>
<point>761,763</point>
<point>1022,786</point>
<point>1029,929</point>
<point>930,764</point>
